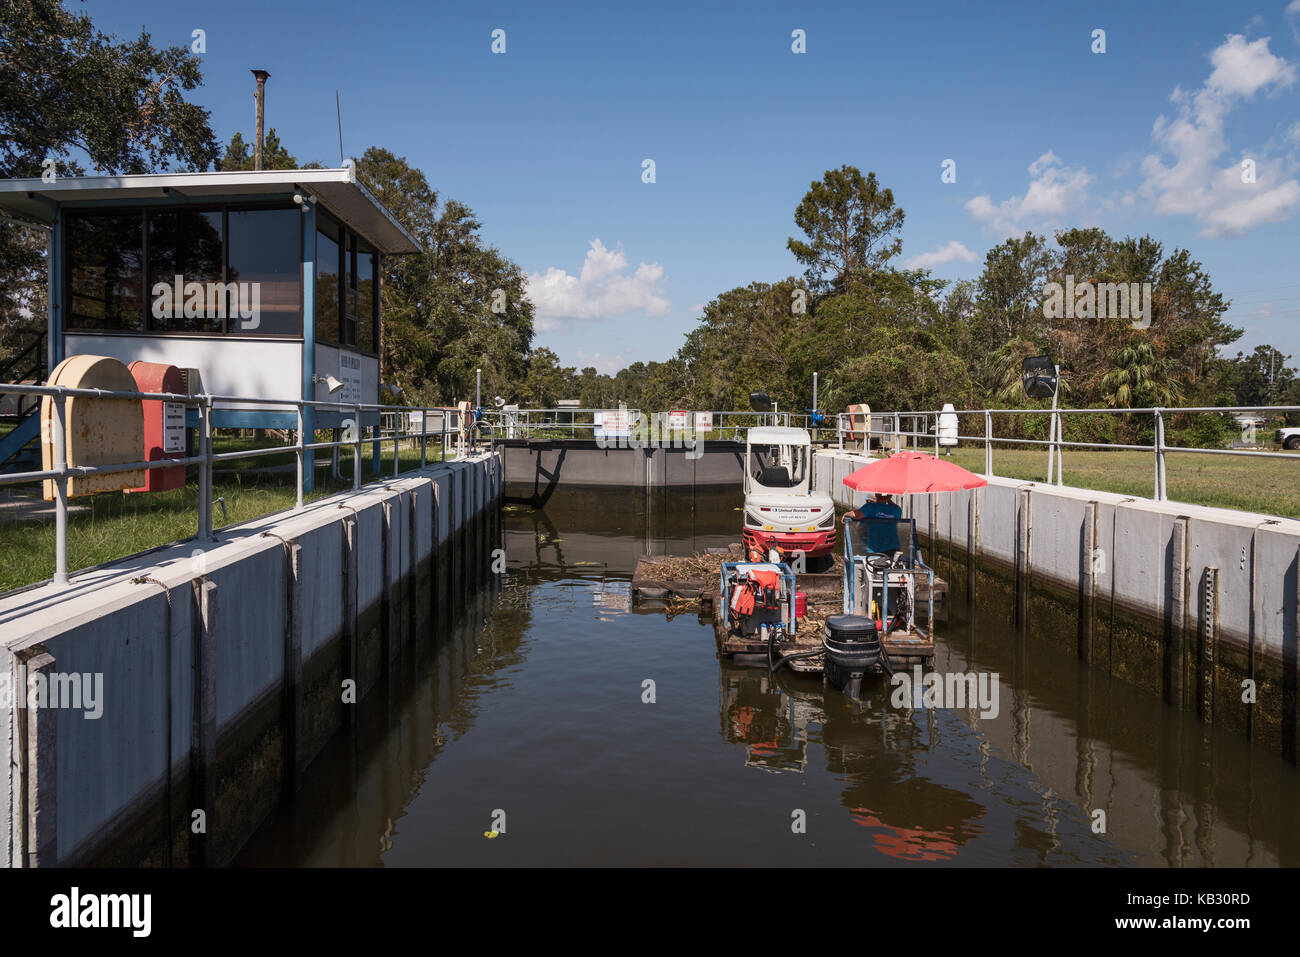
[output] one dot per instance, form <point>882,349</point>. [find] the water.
<point>534,705</point>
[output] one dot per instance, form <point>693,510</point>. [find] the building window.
<point>329,273</point>
<point>186,254</point>
<point>106,278</point>
<point>265,261</point>
<point>365,283</point>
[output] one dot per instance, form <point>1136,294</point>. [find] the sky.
<point>548,141</point>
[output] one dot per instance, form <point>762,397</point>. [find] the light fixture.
<point>331,383</point>
<point>499,402</point>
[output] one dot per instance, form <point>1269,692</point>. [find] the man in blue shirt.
<point>881,536</point>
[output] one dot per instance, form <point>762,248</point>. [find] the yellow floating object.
<point>490,834</point>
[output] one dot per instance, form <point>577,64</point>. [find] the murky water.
<point>531,713</point>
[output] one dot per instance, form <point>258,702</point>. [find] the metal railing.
<point>581,423</point>
<point>450,426</point>
<point>887,429</point>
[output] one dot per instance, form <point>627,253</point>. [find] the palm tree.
<point>1142,379</point>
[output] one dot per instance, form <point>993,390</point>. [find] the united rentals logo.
<point>213,300</point>
<point>1103,300</point>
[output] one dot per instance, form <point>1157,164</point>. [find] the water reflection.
<point>530,700</point>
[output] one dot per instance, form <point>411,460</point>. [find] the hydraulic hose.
<point>774,668</point>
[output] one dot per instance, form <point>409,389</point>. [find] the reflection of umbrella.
<point>912,473</point>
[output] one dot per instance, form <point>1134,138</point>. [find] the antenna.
<point>339,111</point>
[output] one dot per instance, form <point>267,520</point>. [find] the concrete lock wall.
<point>223,667</point>
<point>536,469</point>
<point>1197,604</point>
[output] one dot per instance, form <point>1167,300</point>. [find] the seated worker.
<point>881,536</point>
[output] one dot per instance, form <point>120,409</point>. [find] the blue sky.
<point>546,141</point>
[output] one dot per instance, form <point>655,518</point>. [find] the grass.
<point>117,524</point>
<point>1270,486</point>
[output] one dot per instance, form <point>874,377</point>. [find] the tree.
<point>1142,379</point>
<point>1010,289</point>
<point>547,382</point>
<point>239,155</point>
<point>68,94</point>
<point>1261,378</point>
<point>66,87</point>
<point>850,223</point>
<point>456,307</point>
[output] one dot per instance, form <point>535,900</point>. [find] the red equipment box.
<point>164,424</point>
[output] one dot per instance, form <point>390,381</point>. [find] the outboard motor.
<point>852,648</point>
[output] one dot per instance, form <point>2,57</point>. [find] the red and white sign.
<point>678,420</point>
<point>613,422</point>
<point>703,421</point>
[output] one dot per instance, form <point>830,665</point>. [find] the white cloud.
<point>1055,191</point>
<point>952,251</point>
<point>606,364</point>
<point>603,288</point>
<point>1196,182</point>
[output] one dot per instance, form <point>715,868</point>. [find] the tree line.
<point>902,339</point>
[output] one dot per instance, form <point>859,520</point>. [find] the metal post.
<point>301,442</point>
<point>424,437</point>
<point>59,404</point>
<point>1051,441</point>
<point>1160,455</point>
<point>1060,449</point>
<point>205,469</point>
<point>356,449</point>
<point>397,440</point>
<point>936,435</point>
<point>988,444</point>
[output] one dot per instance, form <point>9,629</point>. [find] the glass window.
<point>329,257</point>
<point>365,280</point>
<point>185,276</point>
<point>265,247</point>
<point>106,271</point>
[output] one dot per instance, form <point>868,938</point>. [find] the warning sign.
<point>613,423</point>
<point>350,375</point>
<point>703,421</point>
<point>173,427</point>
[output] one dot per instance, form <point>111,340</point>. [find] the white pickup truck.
<point>1289,439</point>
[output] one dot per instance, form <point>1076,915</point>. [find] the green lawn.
<point>1270,486</point>
<point>117,524</point>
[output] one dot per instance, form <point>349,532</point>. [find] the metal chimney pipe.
<point>260,97</point>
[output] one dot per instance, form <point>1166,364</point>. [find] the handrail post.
<point>59,404</point>
<point>988,444</point>
<point>1158,445</point>
<point>397,440</point>
<point>356,449</point>
<point>300,457</point>
<point>424,437</point>
<point>205,469</point>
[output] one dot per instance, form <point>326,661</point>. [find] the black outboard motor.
<point>852,649</point>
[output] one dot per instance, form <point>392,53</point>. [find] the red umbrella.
<point>912,473</point>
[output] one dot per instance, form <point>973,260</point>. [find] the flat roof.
<point>336,189</point>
